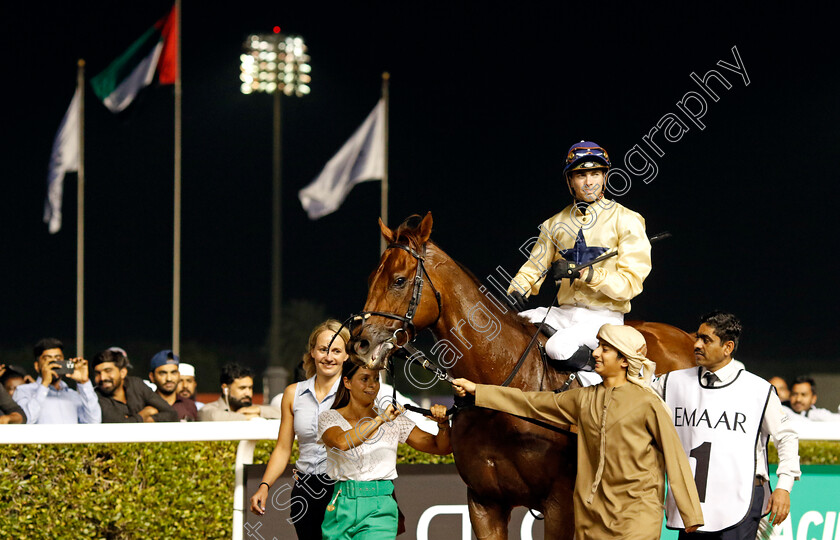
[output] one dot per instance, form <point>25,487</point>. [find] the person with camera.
<point>49,400</point>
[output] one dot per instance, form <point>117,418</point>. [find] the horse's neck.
<point>484,342</point>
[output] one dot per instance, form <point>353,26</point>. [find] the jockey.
<point>589,227</point>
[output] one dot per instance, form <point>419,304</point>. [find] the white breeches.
<point>576,326</point>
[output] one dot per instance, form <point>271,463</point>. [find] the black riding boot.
<point>580,361</point>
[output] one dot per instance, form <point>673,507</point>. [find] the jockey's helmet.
<point>586,155</point>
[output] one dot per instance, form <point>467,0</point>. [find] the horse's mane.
<point>409,232</point>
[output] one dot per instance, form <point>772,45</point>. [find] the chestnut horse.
<point>504,460</point>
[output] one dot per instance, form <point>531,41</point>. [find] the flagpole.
<point>80,217</point>
<point>276,237</point>
<point>383,200</point>
<point>176,243</point>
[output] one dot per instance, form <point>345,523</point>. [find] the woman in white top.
<point>301,404</point>
<point>361,437</point>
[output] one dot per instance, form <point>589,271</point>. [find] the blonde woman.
<point>301,404</point>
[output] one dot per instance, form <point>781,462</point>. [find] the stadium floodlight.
<point>273,63</point>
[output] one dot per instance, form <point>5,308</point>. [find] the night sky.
<point>486,98</point>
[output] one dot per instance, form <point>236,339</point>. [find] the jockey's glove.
<point>517,300</point>
<point>563,269</point>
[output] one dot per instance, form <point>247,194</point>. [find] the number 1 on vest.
<point>701,473</point>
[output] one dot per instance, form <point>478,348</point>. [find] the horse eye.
<point>399,282</point>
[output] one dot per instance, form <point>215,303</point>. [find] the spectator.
<point>803,402</point>
<point>782,389</point>
<point>125,398</point>
<point>12,377</point>
<point>166,376</point>
<point>49,400</point>
<point>235,402</point>
<point>10,412</point>
<point>188,385</point>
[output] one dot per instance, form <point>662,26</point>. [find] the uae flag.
<point>153,56</point>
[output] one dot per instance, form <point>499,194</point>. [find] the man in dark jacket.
<point>124,398</point>
<point>10,412</point>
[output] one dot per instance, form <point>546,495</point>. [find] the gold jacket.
<point>577,237</point>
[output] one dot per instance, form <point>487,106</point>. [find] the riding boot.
<point>579,361</point>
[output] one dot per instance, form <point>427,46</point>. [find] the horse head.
<point>401,300</point>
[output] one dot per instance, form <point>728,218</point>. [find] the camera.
<point>64,367</point>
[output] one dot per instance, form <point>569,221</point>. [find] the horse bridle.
<point>408,319</point>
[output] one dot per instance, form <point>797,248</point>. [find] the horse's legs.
<point>559,521</point>
<point>489,519</point>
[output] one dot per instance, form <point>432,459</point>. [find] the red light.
<point>276,29</point>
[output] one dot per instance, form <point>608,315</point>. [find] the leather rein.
<point>417,356</point>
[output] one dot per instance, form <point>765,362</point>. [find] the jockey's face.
<point>608,362</point>
<point>587,185</point>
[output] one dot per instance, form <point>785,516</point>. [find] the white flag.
<point>64,159</point>
<point>361,158</point>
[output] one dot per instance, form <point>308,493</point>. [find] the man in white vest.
<point>724,415</point>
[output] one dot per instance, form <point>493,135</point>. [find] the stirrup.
<point>579,361</point>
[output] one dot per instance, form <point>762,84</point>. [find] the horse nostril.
<point>362,346</point>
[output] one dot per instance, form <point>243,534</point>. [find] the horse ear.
<point>387,233</point>
<point>426,228</point>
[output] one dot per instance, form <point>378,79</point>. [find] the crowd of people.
<point>800,400</point>
<point>73,391</point>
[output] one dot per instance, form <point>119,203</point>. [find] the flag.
<point>64,159</point>
<point>361,158</point>
<point>155,52</point>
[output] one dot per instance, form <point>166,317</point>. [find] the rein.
<point>417,356</point>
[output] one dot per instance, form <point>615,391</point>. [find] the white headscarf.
<point>630,343</point>
<point>632,346</point>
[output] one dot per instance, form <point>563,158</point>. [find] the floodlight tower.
<point>275,64</point>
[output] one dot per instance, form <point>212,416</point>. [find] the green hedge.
<point>812,453</point>
<point>153,490</point>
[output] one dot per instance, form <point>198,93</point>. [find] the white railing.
<point>247,433</point>
<point>817,431</point>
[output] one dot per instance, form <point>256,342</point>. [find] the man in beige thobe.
<point>626,441</point>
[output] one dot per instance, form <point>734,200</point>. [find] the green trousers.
<point>361,510</point>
